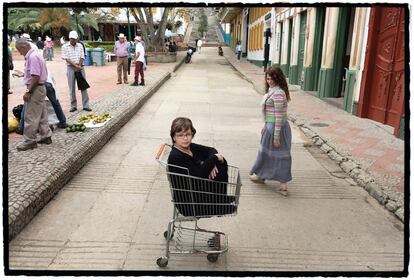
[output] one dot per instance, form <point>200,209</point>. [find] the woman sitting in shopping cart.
<point>208,195</point>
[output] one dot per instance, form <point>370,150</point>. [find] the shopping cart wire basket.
<point>195,198</point>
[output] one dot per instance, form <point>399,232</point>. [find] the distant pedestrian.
<point>131,53</point>
<point>26,37</point>
<point>35,117</point>
<point>49,48</point>
<point>274,160</point>
<point>121,51</point>
<point>199,44</point>
<point>99,39</point>
<point>139,62</point>
<point>238,50</point>
<point>40,44</point>
<point>10,66</point>
<point>145,56</point>
<point>74,56</point>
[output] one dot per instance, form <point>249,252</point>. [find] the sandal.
<point>283,189</point>
<point>256,179</point>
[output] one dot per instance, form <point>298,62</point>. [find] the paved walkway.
<point>35,176</point>
<point>112,214</point>
<point>365,149</point>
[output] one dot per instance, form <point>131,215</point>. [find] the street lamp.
<point>129,25</point>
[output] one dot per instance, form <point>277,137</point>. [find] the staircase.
<point>211,39</point>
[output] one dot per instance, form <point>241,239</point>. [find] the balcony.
<point>226,15</point>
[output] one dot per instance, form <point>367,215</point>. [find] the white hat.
<point>26,36</point>
<point>137,38</point>
<point>73,34</point>
<point>48,39</point>
<point>121,35</point>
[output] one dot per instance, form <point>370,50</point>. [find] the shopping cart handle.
<point>160,151</point>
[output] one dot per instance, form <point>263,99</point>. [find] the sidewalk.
<point>371,155</point>
<point>35,176</point>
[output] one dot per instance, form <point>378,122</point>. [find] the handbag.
<point>81,81</point>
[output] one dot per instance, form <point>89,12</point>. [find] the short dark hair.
<point>181,124</point>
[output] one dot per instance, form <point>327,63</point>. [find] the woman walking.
<point>274,160</point>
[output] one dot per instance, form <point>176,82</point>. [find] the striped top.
<point>276,109</point>
<point>73,53</point>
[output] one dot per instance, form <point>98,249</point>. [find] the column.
<point>293,68</point>
<point>308,67</point>
<point>326,78</point>
<point>284,65</point>
<point>354,74</point>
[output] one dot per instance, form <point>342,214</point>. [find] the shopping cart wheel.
<point>166,235</point>
<point>162,262</point>
<point>212,257</point>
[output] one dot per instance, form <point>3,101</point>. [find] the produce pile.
<point>76,127</point>
<point>90,118</point>
<point>94,118</point>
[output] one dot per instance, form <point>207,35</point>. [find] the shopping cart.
<point>195,198</point>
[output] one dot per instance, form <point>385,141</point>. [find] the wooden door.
<point>395,104</point>
<point>383,78</point>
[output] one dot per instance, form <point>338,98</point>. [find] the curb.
<point>37,193</point>
<point>392,201</point>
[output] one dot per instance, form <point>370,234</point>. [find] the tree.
<point>24,19</point>
<point>50,19</point>
<point>153,37</point>
<point>54,19</point>
<point>84,17</point>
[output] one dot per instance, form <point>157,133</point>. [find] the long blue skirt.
<point>274,163</point>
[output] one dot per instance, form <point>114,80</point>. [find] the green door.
<point>317,48</point>
<point>341,41</point>
<point>301,51</point>
<point>311,72</point>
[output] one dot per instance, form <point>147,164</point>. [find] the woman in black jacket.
<point>199,161</point>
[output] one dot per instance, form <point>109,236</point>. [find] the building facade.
<point>336,52</point>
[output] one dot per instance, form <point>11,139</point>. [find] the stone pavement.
<point>112,214</point>
<point>35,176</point>
<point>364,149</point>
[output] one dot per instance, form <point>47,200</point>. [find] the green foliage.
<point>51,19</point>
<point>107,48</point>
<point>23,19</point>
<point>107,45</point>
<point>203,23</point>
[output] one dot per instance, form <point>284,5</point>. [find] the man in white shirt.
<point>74,55</point>
<point>199,44</point>
<point>139,62</point>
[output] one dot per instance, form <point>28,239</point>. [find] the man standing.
<point>199,44</point>
<point>74,55</point>
<point>49,48</point>
<point>121,50</point>
<point>35,117</point>
<point>26,37</point>
<point>139,62</point>
<point>40,44</point>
